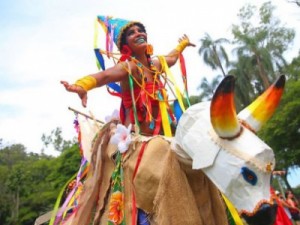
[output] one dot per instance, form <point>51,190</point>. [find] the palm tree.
<point>208,88</point>
<point>244,91</point>
<point>297,2</point>
<point>259,57</point>
<point>213,53</point>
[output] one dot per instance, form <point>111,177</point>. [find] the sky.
<point>43,42</point>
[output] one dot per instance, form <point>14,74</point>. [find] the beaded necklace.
<point>165,115</point>
<point>153,70</point>
<point>161,95</point>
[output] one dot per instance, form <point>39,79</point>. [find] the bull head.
<point>224,145</point>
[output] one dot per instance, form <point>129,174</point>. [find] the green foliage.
<point>30,183</point>
<point>12,154</point>
<point>56,140</point>
<point>297,192</point>
<point>68,162</point>
<point>265,40</point>
<point>293,69</point>
<point>214,53</point>
<point>259,42</point>
<point>4,198</point>
<point>194,99</point>
<point>260,48</point>
<point>208,88</point>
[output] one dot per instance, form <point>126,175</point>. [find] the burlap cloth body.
<point>165,187</point>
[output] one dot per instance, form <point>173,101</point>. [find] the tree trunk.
<point>17,203</point>
<point>218,60</point>
<point>262,74</point>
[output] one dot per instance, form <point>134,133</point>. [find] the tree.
<point>16,185</point>
<point>293,69</point>
<point>12,154</point>
<point>29,182</point>
<point>40,193</point>
<point>263,45</point>
<point>283,130</point>
<point>11,179</point>
<point>258,51</point>
<point>208,88</point>
<point>56,139</point>
<point>5,204</point>
<point>194,99</point>
<point>68,162</point>
<point>213,52</point>
<point>244,91</point>
<point>297,2</point>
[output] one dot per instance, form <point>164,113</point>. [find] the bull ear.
<point>222,110</point>
<point>259,111</point>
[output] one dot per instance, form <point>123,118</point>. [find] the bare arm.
<point>173,56</point>
<point>291,204</point>
<point>114,74</point>
<point>284,203</point>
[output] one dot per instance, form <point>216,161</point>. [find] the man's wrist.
<point>182,45</point>
<point>87,82</point>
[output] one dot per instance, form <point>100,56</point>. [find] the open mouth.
<point>263,214</point>
<point>140,40</point>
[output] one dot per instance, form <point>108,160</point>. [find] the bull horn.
<point>222,110</point>
<point>259,111</point>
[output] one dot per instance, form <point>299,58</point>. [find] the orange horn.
<point>259,111</point>
<point>222,110</point>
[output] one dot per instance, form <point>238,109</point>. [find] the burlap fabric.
<point>165,187</point>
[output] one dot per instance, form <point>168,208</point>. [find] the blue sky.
<point>43,42</point>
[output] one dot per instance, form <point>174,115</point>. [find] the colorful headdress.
<point>114,28</point>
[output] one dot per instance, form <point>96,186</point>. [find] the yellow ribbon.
<point>235,215</point>
<point>166,68</point>
<point>164,114</point>
<point>58,200</point>
<point>96,34</point>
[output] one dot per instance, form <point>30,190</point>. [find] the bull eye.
<point>249,176</point>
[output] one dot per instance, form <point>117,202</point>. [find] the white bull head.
<point>224,145</point>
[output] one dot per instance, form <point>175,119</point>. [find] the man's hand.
<point>76,89</point>
<point>185,38</point>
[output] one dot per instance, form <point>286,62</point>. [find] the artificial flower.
<point>116,208</point>
<point>126,53</point>
<point>122,137</point>
<point>113,116</point>
<point>149,50</point>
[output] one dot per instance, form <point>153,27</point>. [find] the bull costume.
<point>168,176</point>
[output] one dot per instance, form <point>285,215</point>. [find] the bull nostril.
<point>264,216</point>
